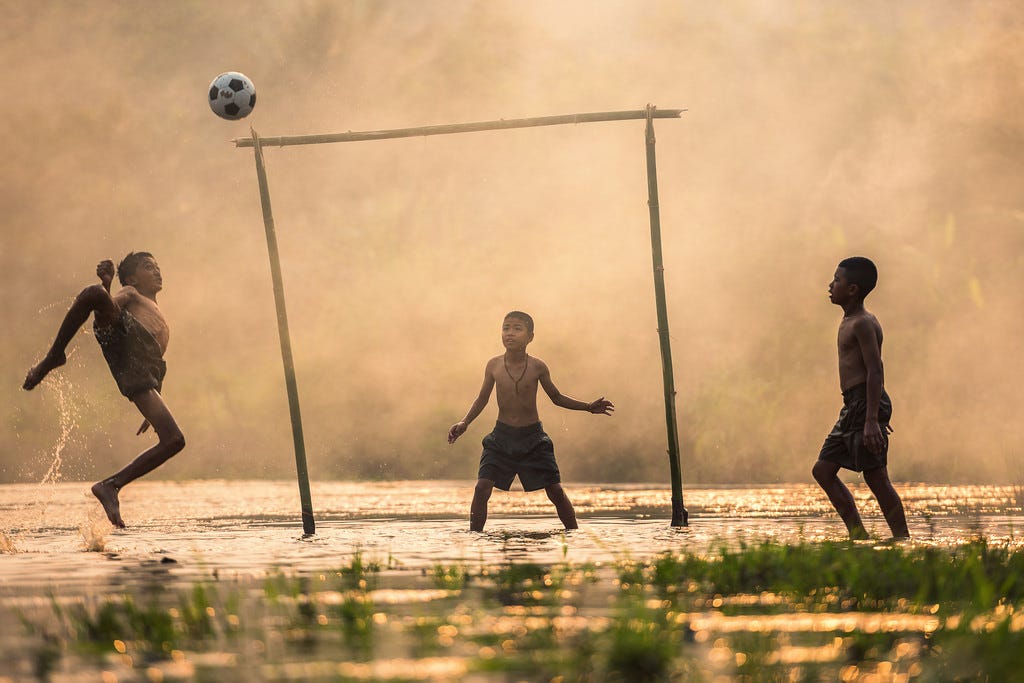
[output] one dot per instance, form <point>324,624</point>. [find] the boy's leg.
<point>94,298</point>
<point>172,441</point>
<point>826,474</point>
<point>892,507</point>
<point>478,509</point>
<point>566,513</point>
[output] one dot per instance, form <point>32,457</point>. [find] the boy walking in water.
<point>518,444</point>
<point>860,439</point>
<point>133,334</point>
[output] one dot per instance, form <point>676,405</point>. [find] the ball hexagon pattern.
<point>232,96</point>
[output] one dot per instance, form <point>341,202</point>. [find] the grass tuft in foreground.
<point>760,612</point>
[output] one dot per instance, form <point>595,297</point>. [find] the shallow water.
<point>286,608</point>
<point>55,536</point>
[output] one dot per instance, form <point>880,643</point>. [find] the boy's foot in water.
<point>106,492</point>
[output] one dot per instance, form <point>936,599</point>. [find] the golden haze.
<point>814,132</point>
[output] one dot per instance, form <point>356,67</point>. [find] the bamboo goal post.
<point>680,517</point>
<point>306,500</point>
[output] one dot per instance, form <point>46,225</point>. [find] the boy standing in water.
<point>860,439</point>
<point>518,444</point>
<point>133,334</point>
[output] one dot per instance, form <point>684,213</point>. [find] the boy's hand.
<point>105,272</point>
<point>457,430</point>
<point>873,439</point>
<point>600,407</point>
<point>144,427</point>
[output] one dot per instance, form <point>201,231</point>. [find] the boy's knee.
<point>555,492</point>
<point>823,471</point>
<point>877,478</point>
<point>175,441</point>
<point>483,489</point>
<point>92,293</point>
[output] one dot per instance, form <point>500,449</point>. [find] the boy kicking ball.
<point>133,334</point>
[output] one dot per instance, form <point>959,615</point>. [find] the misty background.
<point>814,131</point>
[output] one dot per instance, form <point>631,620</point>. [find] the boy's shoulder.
<point>866,318</point>
<point>862,317</point>
<point>498,363</point>
<point>126,294</point>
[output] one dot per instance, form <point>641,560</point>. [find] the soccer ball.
<point>232,96</point>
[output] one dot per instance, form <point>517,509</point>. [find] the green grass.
<point>951,614</point>
<point>973,576</point>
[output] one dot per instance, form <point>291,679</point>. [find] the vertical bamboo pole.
<point>680,517</point>
<point>308,525</point>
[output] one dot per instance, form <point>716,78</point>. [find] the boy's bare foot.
<point>858,533</point>
<point>106,492</point>
<point>42,369</point>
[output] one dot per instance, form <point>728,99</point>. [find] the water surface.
<point>55,536</point>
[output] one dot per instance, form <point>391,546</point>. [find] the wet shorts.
<point>844,445</point>
<point>526,451</point>
<point>134,356</point>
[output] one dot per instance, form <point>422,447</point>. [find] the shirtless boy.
<point>133,335</point>
<point>518,444</point>
<point>860,439</point>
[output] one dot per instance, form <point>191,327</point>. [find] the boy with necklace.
<point>133,334</point>
<point>518,444</point>
<point>860,439</point>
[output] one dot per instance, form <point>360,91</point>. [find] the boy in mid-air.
<point>133,335</point>
<point>860,439</point>
<point>518,444</point>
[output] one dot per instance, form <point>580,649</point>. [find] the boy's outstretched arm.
<point>459,428</point>
<point>872,355</point>
<point>600,406</point>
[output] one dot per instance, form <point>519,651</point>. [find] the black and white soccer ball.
<point>232,96</point>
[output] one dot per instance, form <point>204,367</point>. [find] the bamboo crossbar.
<point>501,124</point>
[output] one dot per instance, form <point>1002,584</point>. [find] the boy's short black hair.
<point>862,272</point>
<point>126,268</point>
<point>525,317</point>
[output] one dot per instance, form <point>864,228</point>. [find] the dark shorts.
<point>844,445</point>
<point>134,356</point>
<point>526,451</point>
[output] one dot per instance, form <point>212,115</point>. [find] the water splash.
<point>63,302</point>
<point>6,544</point>
<point>68,415</point>
<point>94,532</point>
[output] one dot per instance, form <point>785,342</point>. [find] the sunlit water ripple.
<point>54,535</point>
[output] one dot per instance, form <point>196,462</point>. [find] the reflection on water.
<point>246,527</point>
<point>214,581</point>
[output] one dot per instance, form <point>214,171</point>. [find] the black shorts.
<point>844,445</point>
<point>524,451</point>
<point>133,355</point>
